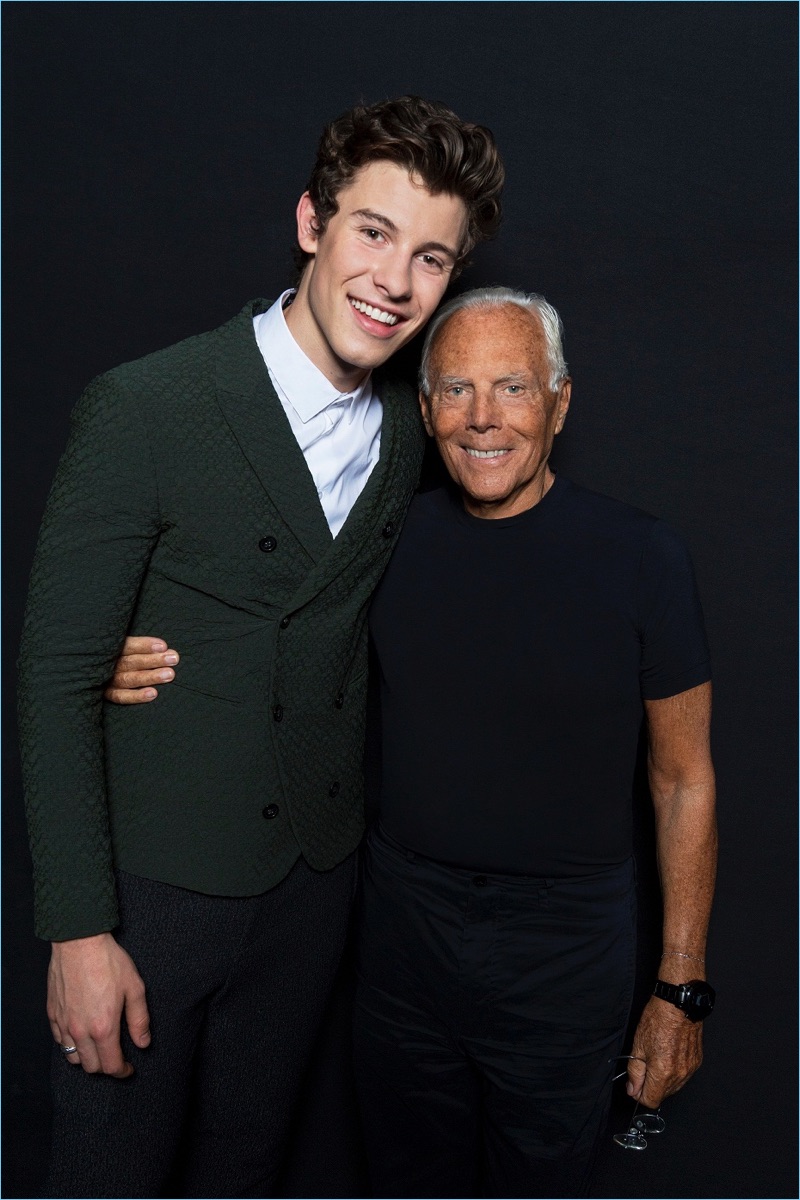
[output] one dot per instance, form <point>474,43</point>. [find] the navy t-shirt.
<point>514,657</point>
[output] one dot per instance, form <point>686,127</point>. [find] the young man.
<point>241,492</point>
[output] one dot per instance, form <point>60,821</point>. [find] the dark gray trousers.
<point>236,988</point>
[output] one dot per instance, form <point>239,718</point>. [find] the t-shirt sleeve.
<point>675,655</point>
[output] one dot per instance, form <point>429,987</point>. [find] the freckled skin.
<point>489,391</point>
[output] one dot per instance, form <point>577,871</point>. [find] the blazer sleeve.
<point>100,527</point>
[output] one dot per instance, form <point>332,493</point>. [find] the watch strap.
<point>675,993</point>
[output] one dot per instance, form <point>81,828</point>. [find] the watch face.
<point>700,1000</point>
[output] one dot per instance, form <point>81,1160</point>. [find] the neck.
<point>300,322</point>
<point>489,510</point>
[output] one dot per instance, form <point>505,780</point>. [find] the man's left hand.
<point>671,1047</point>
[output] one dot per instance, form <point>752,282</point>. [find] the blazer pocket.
<point>205,692</point>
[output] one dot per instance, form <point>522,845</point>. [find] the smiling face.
<point>378,272</point>
<point>491,409</point>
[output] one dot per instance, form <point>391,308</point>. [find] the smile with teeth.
<point>485,453</point>
<point>377,314</point>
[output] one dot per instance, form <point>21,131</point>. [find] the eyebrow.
<point>445,381</point>
<point>515,377</point>
<point>367,214</point>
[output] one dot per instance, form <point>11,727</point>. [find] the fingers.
<point>654,1091</point>
<point>138,1017</point>
<point>137,675</point>
<point>62,1040</point>
<point>134,696</point>
<point>637,1072</point>
<point>128,664</point>
<point>143,645</point>
<point>105,1055</point>
<point>666,1083</point>
<point>96,1051</point>
<point>647,1086</point>
<point>128,674</point>
<point>101,1055</point>
<point>647,1080</point>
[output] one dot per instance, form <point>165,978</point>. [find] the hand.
<point>91,983</point>
<point>672,1049</point>
<point>144,662</point>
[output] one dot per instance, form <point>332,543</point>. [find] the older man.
<point>524,627</point>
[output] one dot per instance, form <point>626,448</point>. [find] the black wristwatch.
<point>695,998</point>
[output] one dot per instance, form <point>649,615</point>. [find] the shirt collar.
<point>302,383</point>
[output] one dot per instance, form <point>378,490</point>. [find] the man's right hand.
<point>92,982</point>
<point>144,663</point>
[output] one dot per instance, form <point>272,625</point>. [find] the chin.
<point>366,357</point>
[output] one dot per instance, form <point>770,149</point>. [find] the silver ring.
<point>67,1049</point>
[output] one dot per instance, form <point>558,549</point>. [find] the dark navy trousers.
<point>487,1010</point>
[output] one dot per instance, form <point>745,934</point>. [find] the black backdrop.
<point>154,154</point>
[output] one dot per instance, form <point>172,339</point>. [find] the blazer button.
<point>270,811</point>
<point>285,623</point>
<point>333,790</point>
<point>277,713</point>
<point>388,529</point>
<point>267,543</point>
<point>339,701</point>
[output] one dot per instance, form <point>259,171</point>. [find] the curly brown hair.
<point>426,138</point>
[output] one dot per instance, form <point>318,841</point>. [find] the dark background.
<point>154,155</point>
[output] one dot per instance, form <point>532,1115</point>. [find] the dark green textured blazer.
<point>183,507</point>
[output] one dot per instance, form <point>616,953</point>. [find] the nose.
<point>484,411</point>
<point>393,276</point>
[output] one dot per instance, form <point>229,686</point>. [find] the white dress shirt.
<point>338,432</point>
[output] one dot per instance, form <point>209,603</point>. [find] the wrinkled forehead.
<point>477,341</point>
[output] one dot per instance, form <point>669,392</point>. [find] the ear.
<point>307,232</point>
<point>425,409</point>
<point>564,397</point>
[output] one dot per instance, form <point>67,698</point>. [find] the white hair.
<point>485,299</point>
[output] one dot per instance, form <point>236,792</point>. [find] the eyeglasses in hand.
<point>643,1121</point>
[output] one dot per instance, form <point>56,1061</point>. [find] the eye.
<point>372,235</point>
<point>514,389</point>
<point>431,263</point>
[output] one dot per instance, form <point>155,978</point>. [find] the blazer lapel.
<point>262,431</point>
<point>400,421</point>
<point>386,495</point>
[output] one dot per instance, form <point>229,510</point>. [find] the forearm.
<point>63,756</point>
<point>686,834</point>
<point>66,809</point>
<point>681,776</point>
<point>668,1046</point>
